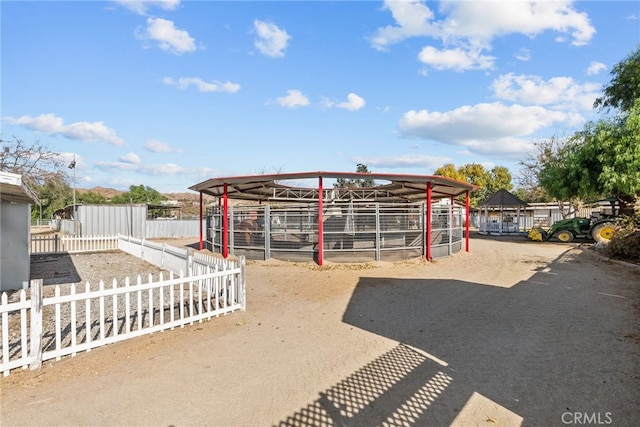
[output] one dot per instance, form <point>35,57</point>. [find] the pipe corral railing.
<point>352,232</point>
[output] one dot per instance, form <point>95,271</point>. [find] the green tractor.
<point>598,229</point>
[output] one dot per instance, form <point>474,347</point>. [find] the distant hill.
<point>189,201</point>
<point>102,191</point>
<point>110,192</point>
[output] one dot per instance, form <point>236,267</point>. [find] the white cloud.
<point>404,161</point>
<point>294,99</point>
<point>484,128</point>
<point>168,37</point>
<point>557,92</point>
<point>469,27</point>
<point>595,68</point>
<point>523,55</point>
<point>487,20</point>
<point>156,146</point>
<point>170,169</point>
<point>131,158</point>
<point>123,173</point>
<point>271,41</point>
<point>412,18</point>
<point>201,85</point>
<point>354,102</point>
<point>456,59</point>
<point>54,125</point>
<point>142,6</point>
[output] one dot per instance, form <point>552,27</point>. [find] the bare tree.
<point>37,164</point>
<point>43,170</point>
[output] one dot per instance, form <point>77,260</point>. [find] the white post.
<point>189,267</point>
<point>36,324</point>
<point>242,288</point>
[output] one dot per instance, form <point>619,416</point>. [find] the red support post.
<point>320,223</point>
<point>200,246</point>
<point>467,221</point>
<point>428,237</point>
<point>225,222</point>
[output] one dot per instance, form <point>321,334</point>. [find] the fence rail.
<point>55,243</point>
<point>351,232</point>
<point>73,318</point>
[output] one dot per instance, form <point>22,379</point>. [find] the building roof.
<point>13,189</point>
<point>400,187</point>
<point>502,198</point>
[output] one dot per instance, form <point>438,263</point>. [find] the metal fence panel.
<point>352,232</point>
<point>172,228</point>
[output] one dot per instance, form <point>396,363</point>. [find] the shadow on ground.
<point>533,354</point>
<point>54,269</point>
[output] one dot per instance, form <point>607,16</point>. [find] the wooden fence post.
<point>36,324</point>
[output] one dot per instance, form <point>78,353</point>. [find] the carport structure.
<point>399,191</point>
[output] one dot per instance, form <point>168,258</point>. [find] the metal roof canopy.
<point>401,187</point>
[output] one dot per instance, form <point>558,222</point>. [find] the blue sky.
<point>170,93</point>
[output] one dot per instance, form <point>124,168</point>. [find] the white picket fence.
<point>172,258</point>
<point>36,328</point>
<point>72,244</point>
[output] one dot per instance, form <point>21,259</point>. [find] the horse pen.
<point>399,218</point>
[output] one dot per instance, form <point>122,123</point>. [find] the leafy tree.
<point>603,159</point>
<point>624,88</point>
<point>449,170</point>
<point>529,177</point>
<point>490,181</point>
<point>91,198</point>
<point>356,182</point>
<point>138,194</point>
<point>53,195</point>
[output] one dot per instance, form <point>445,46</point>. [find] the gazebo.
<point>364,223</point>
<point>501,214</point>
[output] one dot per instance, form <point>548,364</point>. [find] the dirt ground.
<point>512,333</point>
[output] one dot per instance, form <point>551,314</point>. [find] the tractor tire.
<point>603,232</point>
<point>565,236</point>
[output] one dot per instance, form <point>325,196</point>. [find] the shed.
<point>501,214</point>
<point>15,220</point>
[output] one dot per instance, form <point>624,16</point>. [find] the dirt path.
<point>512,333</point>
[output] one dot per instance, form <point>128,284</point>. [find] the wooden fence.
<point>73,318</point>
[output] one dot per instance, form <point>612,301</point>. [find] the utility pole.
<point>72,165</point>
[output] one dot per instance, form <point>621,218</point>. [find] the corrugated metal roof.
<point>401,187</point>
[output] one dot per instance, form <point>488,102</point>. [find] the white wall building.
<point>15,220</point>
